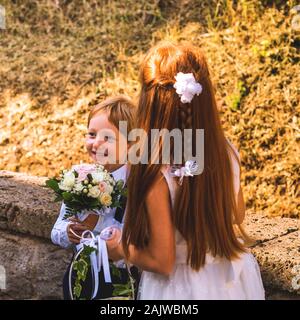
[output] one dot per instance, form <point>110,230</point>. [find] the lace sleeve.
<point>59,234</point>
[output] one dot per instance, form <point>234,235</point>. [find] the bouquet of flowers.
<point>86,187</point>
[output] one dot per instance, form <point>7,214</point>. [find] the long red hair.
<point>205,207</point>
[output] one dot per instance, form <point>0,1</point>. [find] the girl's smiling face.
<point>103,142</point>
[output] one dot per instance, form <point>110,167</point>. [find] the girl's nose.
<point>98,142</point>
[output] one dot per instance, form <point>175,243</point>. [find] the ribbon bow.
<point>189,169</point>
<point>99,259</point>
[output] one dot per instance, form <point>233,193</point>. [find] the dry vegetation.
<point>59,57</point>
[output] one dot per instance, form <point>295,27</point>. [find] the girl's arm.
<point>236,160</point>
<point>241,207</point>
<point>159,255</point>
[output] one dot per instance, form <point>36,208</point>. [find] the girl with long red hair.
<point>184,231</point>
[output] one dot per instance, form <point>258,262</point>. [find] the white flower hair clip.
<point>186,86</point>
<point>188,170</point>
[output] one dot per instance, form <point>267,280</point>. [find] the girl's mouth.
<point>100,153</point>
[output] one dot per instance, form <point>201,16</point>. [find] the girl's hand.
<point>74,231</point>
<point>76,227</point>
<point>114,246</point>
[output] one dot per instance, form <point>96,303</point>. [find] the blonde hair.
<point>119,108</point>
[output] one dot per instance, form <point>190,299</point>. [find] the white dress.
<point>218,279</point>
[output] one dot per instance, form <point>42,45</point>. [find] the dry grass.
<point>59,57</point>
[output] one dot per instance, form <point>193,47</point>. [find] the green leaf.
<point>124,289</point>
<point>58,198</point>
<point>121,291</point>
<point>124,192</point>
<point>93,202</point>
<point>81,275</point>
<point>82,265</point>
<point>119,184</point>
<point>77,290</point>
<point>115,271</point>
<point>52,184</point>
<point>88,250</point>
<point>67,196</point>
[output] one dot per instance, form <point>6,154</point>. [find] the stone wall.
<point>35,267</point>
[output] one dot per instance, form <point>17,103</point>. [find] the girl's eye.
<point>109,138</point>
<point>91,135</point>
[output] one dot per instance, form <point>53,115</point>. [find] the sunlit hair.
<point>205,208</point>
<point>118,108</point>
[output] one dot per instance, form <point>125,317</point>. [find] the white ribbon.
<point>189,169</point>
<point>99,259</point>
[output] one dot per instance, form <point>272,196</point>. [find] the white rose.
<point>67,183</point>
<point>78,187</point>
<point>105,199</point>
<point>98,176</point>
<point>94,192</point>
<point>109,179</point>
<point>109,189</point>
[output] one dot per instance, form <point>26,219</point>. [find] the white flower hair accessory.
<point>189,169</point>
<point>186,86</point>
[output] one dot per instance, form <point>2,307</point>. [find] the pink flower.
<point>102,186</point>
<point>83,170</point>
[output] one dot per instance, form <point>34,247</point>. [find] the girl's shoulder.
<point>172,181</point>
<point>233,150</point>
<point>236,165</point>
<point>234,156</point>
